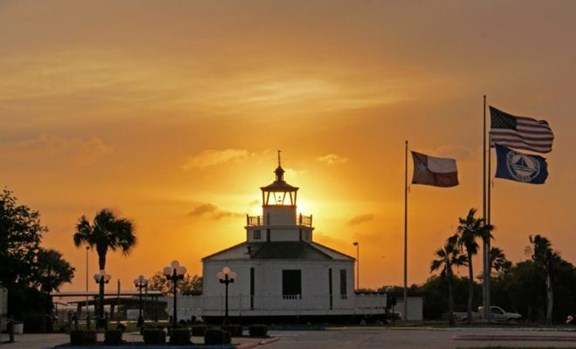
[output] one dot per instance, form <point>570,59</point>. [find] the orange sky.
<point>171,112</point>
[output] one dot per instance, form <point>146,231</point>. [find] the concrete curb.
<point>255,344</point>
<point>514,338</point>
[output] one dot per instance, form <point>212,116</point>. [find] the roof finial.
<point>279,165</point>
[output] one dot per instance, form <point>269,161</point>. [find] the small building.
<point>280,272</point>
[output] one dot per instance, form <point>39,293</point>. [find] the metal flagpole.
<point>405,314</point>
<point>486,248</point>
<point>487,302</point>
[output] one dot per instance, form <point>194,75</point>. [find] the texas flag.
<point>438,172</point>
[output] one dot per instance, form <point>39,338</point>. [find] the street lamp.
<point>174,273</point>
<point>101,278</point>
<point>87,310</point>
<point>357,244</point>
<point>226,276</point>
<point>140,282</point>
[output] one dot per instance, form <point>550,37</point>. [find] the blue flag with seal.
<point>520,167</point>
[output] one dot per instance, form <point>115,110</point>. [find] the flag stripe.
<point>437,172</point>
<point>520,132</point>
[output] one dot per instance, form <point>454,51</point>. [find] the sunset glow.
<point>171,114</point>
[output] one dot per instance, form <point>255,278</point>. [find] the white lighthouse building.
<point>280,272</point>
<point>279,269</point>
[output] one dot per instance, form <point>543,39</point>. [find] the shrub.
<point>150,326</point>
<point>235,330</point>
<point>82,337</point>
<point>258,331</point>
<point>199,330</point>
<point>154,336</point>
<point>180,336</point>
<point>35,322</point>
<point>113,337</point>
<point>217,336</point>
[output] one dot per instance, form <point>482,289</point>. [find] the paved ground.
<point>362,338</point>
<point>429,338</point>
<point>43,341</point>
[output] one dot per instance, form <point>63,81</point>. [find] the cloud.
<point>80,151</point>
<point>212,211</point>
<point>211,157</point>
<point>361,219</point>
<point>332,159</point>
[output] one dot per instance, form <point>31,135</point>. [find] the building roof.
<point>300,250</point>
<point>279,185</point>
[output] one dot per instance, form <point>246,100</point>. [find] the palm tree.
<point>53,270</point>
<point>106,232</point>
<point>449,256</point>
<point>498,261</point>
<point>544,256</point>
<point>470,229</point>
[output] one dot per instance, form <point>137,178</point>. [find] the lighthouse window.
<point>291,284</point>
<point>257,235</point>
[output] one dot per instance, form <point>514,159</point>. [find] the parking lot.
<point>366,337</point>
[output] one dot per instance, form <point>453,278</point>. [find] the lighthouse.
<point>279,270</point>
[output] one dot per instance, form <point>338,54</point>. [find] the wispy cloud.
<point>361,219</point>
<point>211,211</point>
<point>332,159</point>
<point>80,151</point>
<point>212,157</point>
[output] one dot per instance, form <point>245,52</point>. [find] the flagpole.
<point>486,248</point>
<point>405,313</point>
<point>487,301</point>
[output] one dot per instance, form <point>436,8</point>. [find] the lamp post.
<point>357,244</point>
<point>140,282</point>
<point>226,276</point>
<point>101,278</point>
<point>87,310</point>
<point>174,273</point>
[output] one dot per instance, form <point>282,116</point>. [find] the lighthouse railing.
<point>302,220</point>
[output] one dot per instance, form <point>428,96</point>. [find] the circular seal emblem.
<point>522,167</point>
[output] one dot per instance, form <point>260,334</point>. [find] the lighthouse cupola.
<point>279,193</point>
<point>279,218</point>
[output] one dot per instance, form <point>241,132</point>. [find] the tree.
<point>524,288</point>
<point>449,256</point>
<point>52,270</point>
<point>107,232</point>
<point>498,261</point>
<point>190,285</point>
<point>24,265</point>
<point>549,260</point>
<point>470,229</point>
<point>20,236</point>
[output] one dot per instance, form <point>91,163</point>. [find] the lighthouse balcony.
<point>252,221</point>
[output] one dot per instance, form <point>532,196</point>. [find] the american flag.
<point>520,132</point>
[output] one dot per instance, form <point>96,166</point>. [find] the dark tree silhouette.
<point>106,232</point>
<point>469,230</point>
<point>449,256</point>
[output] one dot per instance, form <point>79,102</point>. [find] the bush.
<point>180,336</point>
<point>217,336</point>
<point>235,330</point>
<point>258,331</point>
<point>150,326</point>
<point>199,330</point>
<point>35,322</point>
<point>82,337</point>
<point>154,336</point>
<point>113,337</point>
